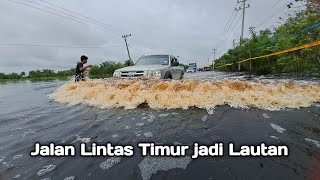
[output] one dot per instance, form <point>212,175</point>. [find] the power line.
<point>306,29</point>
<point>277,41</point>
<point>230,21</point>
<point>55,14</point>
<point>269,10</point>
<point>57,46</point>
<point>232,29</point>
<point>236,26</point>
<point>228,30</point>
<point>68,14</point>
<point>117,31</point>
<point>109,26</point>
<point>143,43</point>
<point>227,27</point>
<point>75,18</point>
<point>279,10</point>
<point>267,19</point>
<point>297,33</point>
<point>294,34</point>
<point>78,14</point>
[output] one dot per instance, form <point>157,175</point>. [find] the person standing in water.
<point>81,68</point>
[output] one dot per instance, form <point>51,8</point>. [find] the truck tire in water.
<point>168,76</point>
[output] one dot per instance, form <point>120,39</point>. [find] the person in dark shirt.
<point>81,68</point>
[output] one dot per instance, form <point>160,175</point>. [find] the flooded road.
<point>28,115</point>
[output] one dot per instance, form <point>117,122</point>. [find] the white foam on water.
<point>127,127</point>
<point>274,137</point>
<point>17,176</point>
<point>277,128</point>
<point>204,118</point>
<point>148,134</point>
<point>17,156</point>
<point>151,165</point>
<point>140,124</point>
<point>6,163</point>
<point>70,178</point>
<point>110,163</point>
<point>210,111</point>
<point>164,115</point>
<point>151,118</point>
<point>317,143</point>
<point>46,179</point>
<point>82,140</point>
<point>265,116</point>
<point>115,136</point>
<point>29,132</point>
<point>2,159</point>
<point>46,169</point>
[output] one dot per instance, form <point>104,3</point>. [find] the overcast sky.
<point>186,28</point>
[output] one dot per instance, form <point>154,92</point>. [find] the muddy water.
<point>27,116</point>
<point>205,94</point>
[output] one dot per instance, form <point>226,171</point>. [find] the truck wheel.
<point>168,76</point>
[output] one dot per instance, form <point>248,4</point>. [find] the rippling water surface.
<point>282,111</point>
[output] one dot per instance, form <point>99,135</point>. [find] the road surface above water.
<point>28,115</point>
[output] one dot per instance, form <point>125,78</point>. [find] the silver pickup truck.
<point>153,66</point>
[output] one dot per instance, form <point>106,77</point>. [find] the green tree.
<point>128,63</point>
<point>287,35</point>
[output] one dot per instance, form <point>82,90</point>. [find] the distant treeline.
<point>38,74</point>
<point>103,70</point>
<point>286,36</point>
<point>106,69</point>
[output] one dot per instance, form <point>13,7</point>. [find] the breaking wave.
<point>205,94</point>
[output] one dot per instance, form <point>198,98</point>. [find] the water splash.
<point>317,143</point>
<point>70,178</point>
<point>148,134</point>
<point>46,169</point>
<point>151,165</point>
<point>278,128</point>
<point>110,163</point>
<point>205,94</point>
<point>204,118</point>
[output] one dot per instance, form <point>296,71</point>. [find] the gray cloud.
<point>185,28</point>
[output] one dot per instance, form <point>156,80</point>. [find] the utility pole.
<point>214,57</point>
<point>234,44</point>
<point>243,8</point>
<point>125,39</point>
<point>214,54</point>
